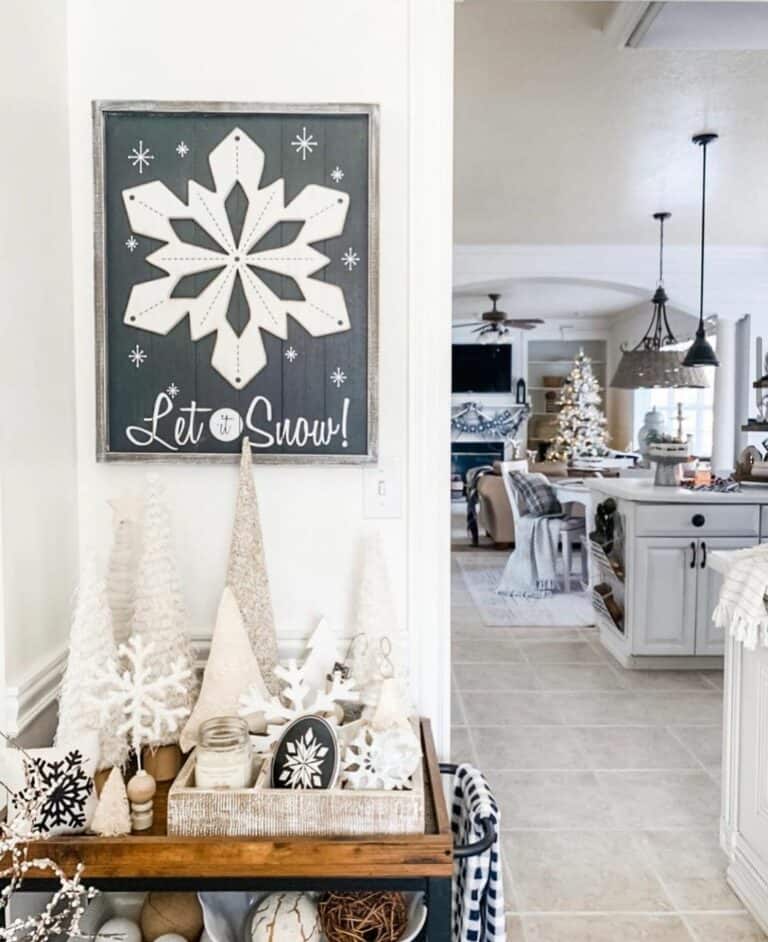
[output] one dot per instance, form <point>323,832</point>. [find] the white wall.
<point>297,50</point>
<point>38,494</point>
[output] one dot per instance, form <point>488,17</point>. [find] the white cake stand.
<point>669,471</point>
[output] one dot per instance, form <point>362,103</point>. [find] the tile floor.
<point>608,782</point>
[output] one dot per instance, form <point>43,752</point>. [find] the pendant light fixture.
<point>648,365</point>
<point>700,352</point>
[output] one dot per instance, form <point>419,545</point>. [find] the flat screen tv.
<point>482,368</point>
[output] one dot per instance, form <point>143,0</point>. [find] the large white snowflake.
<point>297,698</point>
<point>227,249</point>
<point>385,759</point>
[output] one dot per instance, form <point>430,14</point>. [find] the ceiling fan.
<point>496,323</point>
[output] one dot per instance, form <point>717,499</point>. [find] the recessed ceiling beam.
<point>629,21</point>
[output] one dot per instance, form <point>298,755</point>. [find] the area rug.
<point>481,573</point>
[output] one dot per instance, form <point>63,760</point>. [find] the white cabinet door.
<point>711,640</point>
<point>664,606</point>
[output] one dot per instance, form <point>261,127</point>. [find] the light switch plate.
<point>382,492</point>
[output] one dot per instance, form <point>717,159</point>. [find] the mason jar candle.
<point>223,758</point>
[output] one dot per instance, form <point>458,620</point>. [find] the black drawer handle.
<point>698,520</point>
<point>693,554</point>
<point>703,555</point>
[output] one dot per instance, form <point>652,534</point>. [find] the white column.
<point>724,434</point>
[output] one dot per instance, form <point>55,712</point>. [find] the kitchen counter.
<point>640,489</point>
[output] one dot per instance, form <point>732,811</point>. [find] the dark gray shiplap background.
<point>301,388</point>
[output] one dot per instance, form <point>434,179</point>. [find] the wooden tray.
<point>159,857</point>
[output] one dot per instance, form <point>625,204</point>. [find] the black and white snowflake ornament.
<point>307,755</point>
<point>61,789</point>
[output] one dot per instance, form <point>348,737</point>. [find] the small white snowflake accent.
<point>182,149</point>
<point>140,157</point>
<point>137,356</point>
<point>337,174</point>
<point>291,354</point>
<point>304,144</point>
<point>172,390</point>
<point>338,377</point>
<point>303,764</point>
<point>384,759</point>
<point>131,244</point>
<point>350,259</point>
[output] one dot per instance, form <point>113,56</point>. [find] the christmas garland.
<point>503,423</point>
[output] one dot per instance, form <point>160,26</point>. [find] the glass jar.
<point>223,758</point>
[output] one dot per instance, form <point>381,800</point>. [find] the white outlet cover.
<point>382,492</point>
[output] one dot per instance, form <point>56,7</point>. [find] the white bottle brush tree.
<point>91,651</point>
<point>159,615</point>
<point>581,422</point>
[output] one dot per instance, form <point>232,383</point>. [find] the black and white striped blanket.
<point>478,890</point>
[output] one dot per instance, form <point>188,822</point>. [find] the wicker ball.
<point>363,917</point>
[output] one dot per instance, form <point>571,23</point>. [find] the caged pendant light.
<point>700,352</point>
<point>649,365</point>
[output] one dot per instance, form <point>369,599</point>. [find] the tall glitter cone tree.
<point>581,422</point>
<point>159,615</point>
<point>91,650</point>
<point>247,573</point>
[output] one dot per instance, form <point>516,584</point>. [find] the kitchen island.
<point>744,815</point>
<point>653,586</point>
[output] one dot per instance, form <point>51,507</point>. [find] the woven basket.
<point>282,812</point>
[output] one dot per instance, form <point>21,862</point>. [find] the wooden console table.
<point>412,862</point>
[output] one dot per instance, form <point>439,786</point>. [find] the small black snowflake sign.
<point>236,252</point>
<point>306,756</point>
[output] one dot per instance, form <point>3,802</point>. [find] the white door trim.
<point>430,257</point>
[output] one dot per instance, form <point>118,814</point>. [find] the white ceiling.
<point>563,138</point>
<point>710,25</point>
<point>548,298</point>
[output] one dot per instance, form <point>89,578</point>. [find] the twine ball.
<point>171,913</point>
<point>364,917</point>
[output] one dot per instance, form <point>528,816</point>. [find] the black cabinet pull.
<point>693,554</point>
<point>698,520</point>
<point>703,555</point>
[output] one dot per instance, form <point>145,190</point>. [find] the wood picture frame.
<point>338,363</point>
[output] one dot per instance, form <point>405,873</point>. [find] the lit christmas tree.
<point>581,422</point>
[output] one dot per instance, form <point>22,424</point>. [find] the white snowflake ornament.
<point>140,695</point>
<point>153,210</point>
<point>297,698</point>
<point>381,760</point>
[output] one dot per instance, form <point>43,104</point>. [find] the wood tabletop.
<point>156,855</point>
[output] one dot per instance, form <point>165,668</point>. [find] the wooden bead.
<point>141,788</point>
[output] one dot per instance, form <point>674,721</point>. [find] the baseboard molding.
<point>27,700</point>
<point>751,888</point>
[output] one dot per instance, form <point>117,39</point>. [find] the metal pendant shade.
<point>648,365</point>
<point>700,352</point>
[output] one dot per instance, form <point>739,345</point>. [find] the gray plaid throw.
<point>536,494</point>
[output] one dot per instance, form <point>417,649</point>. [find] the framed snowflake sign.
<point>236,280</point>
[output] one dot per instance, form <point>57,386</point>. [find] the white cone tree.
<point>382,648</point>
<point>123,560</point>
<point>112,817</point>
<point>247,573</point>
<point>581,422</point>
<point>232,669</point>
<point>91,650</point>
<point>159,616</point>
